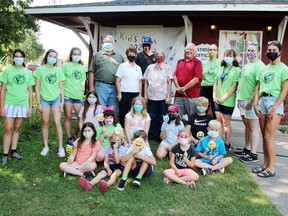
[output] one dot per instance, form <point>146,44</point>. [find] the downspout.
<point>282,29</point>
<point>188,28</point>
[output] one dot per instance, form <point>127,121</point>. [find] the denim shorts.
<point>49,104</point>
<point>73,101</point>
<point>267,102</point>
<point>248,114</point>
<point>225,110</point>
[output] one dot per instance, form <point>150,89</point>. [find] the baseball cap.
<point>147,40</point>
<point>173,108</point>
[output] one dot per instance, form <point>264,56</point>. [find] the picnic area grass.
<point>36,186</point>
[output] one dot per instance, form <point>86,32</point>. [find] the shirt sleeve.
<point>122,151</point>
<point>96,147</point>
<point>4,77</point>
<point>31,80</point>
<point>164,125</point>
<point>198,69</point>
<point>199,147</point>
<point>61,75</point>
<point>222,150</point>
<point>119,71</point>
<point>236,75</point>
<point>81,112</point>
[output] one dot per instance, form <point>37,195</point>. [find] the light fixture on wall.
<point>269,28</point>
<point>213,27</point>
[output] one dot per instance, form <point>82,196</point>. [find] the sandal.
<point>166,180</point>
<point>266,174</point>
<point>258,169</point>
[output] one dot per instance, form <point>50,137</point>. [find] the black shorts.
<point>136,170</point>
<point>225,110</point>
<point>114,167</point>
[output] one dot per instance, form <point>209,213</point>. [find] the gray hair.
<point>110,37</point>
<point>192,46</point>
<point>159,51</point>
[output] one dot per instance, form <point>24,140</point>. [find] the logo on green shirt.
<point>211,70</point>
<point>269,77</point>
<point>19,79</point>
<point>51,78</point>
<point>76,74</point>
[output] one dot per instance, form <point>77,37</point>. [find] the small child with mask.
<point>169,131</point>
<point>198,122</point>
<point>211,151</point>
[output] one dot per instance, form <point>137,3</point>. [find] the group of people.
<point>138,91</point>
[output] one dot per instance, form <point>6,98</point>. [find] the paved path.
<point>276,188</point>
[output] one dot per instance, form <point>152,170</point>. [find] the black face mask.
<point>172,116</point>
<point>272,55</point>
<point>131,58</point>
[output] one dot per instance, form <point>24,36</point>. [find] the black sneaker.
<point>121,185</point>
<point>136,182</point>
<point>89,174</point>
<point>241,153</point>
<point>227,147</point>
<point>17,156</point>
<point>206,171</point>
<point>249,158</point>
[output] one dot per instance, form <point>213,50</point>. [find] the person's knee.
<point>8,130</point>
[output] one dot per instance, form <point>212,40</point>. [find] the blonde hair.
<point>214,124</point>
<point>143,102</point>
<point>203,101</point>
<point>114,136</point>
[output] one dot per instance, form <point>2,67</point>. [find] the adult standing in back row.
<point>102,72</point>
<point>187,76</point>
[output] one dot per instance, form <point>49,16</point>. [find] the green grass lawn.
<point>36,186</point>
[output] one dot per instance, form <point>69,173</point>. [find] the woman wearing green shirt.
<point>224,93</point>
<point>245,97</point>
<point>75,75</point>
<point>49,93</point>
<point>269,107</point>
<point>16,99</point>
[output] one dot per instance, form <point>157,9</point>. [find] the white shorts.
<point>248,114</point>
<point>12,111</point>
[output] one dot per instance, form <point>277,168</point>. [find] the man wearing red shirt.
<point>187,78</point>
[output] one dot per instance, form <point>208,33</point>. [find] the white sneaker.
<point>45,151</point>
<point>61,152</point>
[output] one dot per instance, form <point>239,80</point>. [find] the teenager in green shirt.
<point>269,107</point>
<point>75,75</point>
<point>16,100</point>
<point>224,93</point>
<point>49,93</point>
<point>245,97</point>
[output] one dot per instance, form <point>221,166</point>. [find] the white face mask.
<point>92,100</point>
<point>183,141</point>
<point>88,134</point>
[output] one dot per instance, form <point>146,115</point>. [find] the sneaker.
<point>61,152</point>
<point>4,160</point>
<point>136,182</point>
<point>227,147</point>
<point>249,158</point>
<point>242,153</point>
<point>103,185</point>
<point>206,171</point>
<point>221,170</point>
<point>191,184</point>
<point>17,156</point>
<point>121,185</point>
<point>166,180</point>
<point>84,183</point>
<point>45,151</point>
<point>89,174</point>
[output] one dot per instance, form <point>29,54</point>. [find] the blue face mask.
<point>201,109</point>
<point>228,60</point>
<point>19,60</point>
<point>107,46</point>
<point>76,58</point>
<point>51,61</point>
<point>138,107</point>
<point>213,134</point>
<point>172,116</point>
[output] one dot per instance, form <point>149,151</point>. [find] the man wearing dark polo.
<point>102,71</point>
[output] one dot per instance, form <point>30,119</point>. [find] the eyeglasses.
<point>274,42</point>
<point>255,43</point>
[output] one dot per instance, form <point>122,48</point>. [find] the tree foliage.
<point>18,29</point>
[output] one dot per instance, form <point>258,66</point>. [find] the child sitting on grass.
<point>169,131</point>
<point>211,150</point>
<point>198,122</point>
<point>138,159</point>
<point>113,166</point>
<point>82,160</point>
<point>182,160</point>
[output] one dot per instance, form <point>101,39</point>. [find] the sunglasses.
<point>255,43</point>
<point>274,42</point>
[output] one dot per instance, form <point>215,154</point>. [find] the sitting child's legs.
<point>223,163</point>
<point>142,169</point>
<point>185,175</point>
<point>102,174</point>
<point>203,163</point>
<point>71,168</point>
<point>87,166</point>
<point>161,151</point>
<point>100,155</point>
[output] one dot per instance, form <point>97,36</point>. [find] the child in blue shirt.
<point>211,150</point>
<point>169,131</point>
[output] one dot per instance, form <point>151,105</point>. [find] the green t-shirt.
<point>248,80</point>
<point>109,129</point>
<point>75,74</point>
<point>271,79</point>
<point>225,81</point>
<point>50,79</point>
<point>105,67</point>
<point>209,74</point>
<point>17,80</point>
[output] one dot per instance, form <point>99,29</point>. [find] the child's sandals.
<point>191,184</point>
<point>166,180</point>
